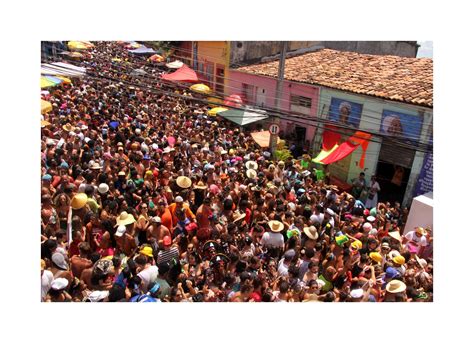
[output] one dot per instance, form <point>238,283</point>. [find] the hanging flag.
<point>342,151</point>
<point>363,139</point>
<point>323,154</point>
<point>330,137</point>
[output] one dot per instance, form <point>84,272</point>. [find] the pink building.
<point>297,97</point>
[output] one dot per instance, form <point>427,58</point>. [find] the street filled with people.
<point>146,198</point>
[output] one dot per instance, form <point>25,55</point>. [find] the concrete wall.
<point>246,52</point>
<point>397,48</point>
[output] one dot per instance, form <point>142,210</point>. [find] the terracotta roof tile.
<point>396,78</point>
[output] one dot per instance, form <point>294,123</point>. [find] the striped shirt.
<point>167,255</point>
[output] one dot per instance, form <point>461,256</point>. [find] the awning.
<point>262,138</point>
<point>184,74</point>
<point>323,154</point>
<point>143,50</point>
<point>244,117</point>
<point>62,69</point>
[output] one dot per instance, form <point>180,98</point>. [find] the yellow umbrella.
<point>215,100</point>
<point>46,106</point>
<point>200,88</point>
<point>215,110</point>
<point>65,79</point>
<point>47,83</point>
<point>79,45</point>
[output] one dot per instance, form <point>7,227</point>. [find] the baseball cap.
<point>59,283</point>
<point>156,219</point>
<point>120,230</point>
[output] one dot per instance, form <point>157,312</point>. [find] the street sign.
<point>274,129</point>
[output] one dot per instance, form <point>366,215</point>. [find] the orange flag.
<point>363,139</point>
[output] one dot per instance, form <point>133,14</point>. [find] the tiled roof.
<point>403,79</point>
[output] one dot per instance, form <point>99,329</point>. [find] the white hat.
<point>156,219</point>
<point>120,230</point>
<point>166,150</point>
<point>314,219</point>
<point>292,206</point>
<point>138,131</point>
<point>59,283</point>
<point>154,146</point>
<point>251,165</point>
<point>98,296</point>
<point>371,219</point>
<point>103,188</point>
<point>367,226</point>
<point>373,232</point>
<point>357,293</point>
<point>179,199</point>
<point>223,152</point>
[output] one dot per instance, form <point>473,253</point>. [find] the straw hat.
<point>376,257</point>
<point>45,123</point>
<point>421,261</point>
<point>79,201</point>
<point>395,286</point>
<point>200,185</point>
<point>311,232</point>
<point>275,225</point>
<point>125,218</point>
<point>420,230</point>
<point>395,235</point>
<point>103,188</point>
<point>251,174</point>
<point>251,165</point>
<point>68,127</point>
<point>238,217</point>
<point>183,181</point>
<point>95,166</point>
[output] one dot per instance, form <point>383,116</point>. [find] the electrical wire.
<point>304,118</point>
<point>371,120</point>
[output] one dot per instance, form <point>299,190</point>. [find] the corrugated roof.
<point>403,79</point>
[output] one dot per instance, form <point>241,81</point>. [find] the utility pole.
<point>281,77</point>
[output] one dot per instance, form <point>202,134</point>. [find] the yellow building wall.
<point>216,53</point>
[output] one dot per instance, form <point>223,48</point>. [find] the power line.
<point>366,118</point>
<point>293,116</point>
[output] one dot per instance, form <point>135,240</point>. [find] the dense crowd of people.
<point>145,198</point>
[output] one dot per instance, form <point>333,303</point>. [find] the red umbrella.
<point>233,100</point>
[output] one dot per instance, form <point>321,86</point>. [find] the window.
<point>300,104</point>
<point>248,92</point>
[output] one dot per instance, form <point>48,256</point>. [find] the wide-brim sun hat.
<point>183,182</point>
<point>275,225</point>
<point>395,286</point>
<point>311,232</point>
<point>125,218</point>
<point>103,188</point>
<point>251,173</point>
<point>251,165</point>
<point>395,235</point>
<point>79,201</point>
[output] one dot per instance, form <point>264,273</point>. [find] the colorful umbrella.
<point>215,100</point>
<point>216,110</point>
<point>156,58</point>
<point>79,45</point>
<point>46,106</point>
<point>233,100</point>
<point>49,81</point>
<point>200,88</point>
<point>64,79</point>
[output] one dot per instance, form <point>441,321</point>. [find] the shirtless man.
<point>157,231</point>
<point>81,261</point>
